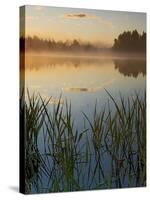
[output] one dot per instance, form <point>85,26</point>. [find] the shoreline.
<point>86,55</point>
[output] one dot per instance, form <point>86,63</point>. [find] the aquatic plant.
<point>110,151</point>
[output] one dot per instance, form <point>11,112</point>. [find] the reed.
<point>110,151</point>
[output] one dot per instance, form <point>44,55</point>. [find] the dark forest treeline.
<point>126,42</point>
<point>37,44</point>
<point>130,42</point>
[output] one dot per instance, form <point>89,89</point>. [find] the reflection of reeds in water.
<point>110,152</point>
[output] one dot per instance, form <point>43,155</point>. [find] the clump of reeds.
<point>75,159</point>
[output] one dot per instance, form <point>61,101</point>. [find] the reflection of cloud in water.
<point>49,99</point>
<point>56,101</point>
<point>88,89</point>
<point>79,89</point>
<point>53,100</point>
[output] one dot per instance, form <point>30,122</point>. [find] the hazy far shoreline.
<point>90,55</point>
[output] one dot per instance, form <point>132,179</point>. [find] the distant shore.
<point>90,55</point>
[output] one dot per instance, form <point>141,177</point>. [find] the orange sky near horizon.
<point>95,26</point>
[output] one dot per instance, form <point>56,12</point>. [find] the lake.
<point>83,81</point>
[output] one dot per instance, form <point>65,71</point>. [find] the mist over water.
<point>83,79</point>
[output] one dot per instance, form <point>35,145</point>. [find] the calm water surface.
<point>82,81</point>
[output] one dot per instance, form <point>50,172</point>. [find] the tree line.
<point>38,44</point>
<point>130,42</point>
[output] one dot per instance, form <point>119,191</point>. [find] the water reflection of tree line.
<point>131,67</point>
<point>37,62</point>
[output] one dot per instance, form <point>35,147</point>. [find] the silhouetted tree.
<point>37,44</point>
<point>130,41</point>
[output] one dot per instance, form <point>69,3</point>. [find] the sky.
<point>95,26</point>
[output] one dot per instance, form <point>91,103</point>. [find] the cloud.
<point>79,16</point>
<point>85,16</point>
